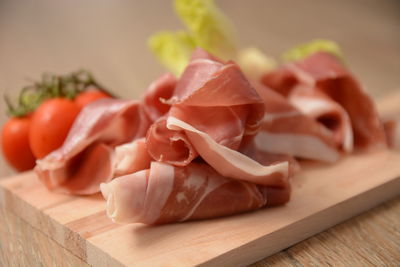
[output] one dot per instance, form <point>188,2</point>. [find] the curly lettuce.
<point>173,49</point>
<point>210,28</point>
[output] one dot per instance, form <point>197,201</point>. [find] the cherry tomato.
<point>15,143</point>
<point>89,96</point>
<point>51,123</point>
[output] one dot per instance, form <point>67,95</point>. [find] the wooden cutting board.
<point>323,195</point>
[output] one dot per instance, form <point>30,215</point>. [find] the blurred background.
<point>108,37</point>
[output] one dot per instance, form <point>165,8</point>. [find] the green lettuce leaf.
<point>209,27</point>
<point>254,63</point>
<point>303,50</point>
<point>173,49</point>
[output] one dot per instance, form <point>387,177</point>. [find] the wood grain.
<point>23,245</point>
<point>323,195</point>
<point>362,241</point>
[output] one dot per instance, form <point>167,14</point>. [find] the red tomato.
<point>15,143</point>
<point>87,97</point>
<point>51,123</point>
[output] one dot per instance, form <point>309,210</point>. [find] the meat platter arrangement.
<point>224,131</point>
<point>210,134</point>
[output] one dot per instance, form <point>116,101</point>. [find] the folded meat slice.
<point>158,91</point>
<point>229,162</point>
<point>172,147</point>
<point>219,95</point>
<point>165,193</point>
<point>217,99</point>
<point>87,156</point>
<point>81,174</point>
<point>288,131</point>
<point>265,158</point>
<point>131,157</point>
<point>214,109</point>
<point>330,114</point>
<point>324,73</point>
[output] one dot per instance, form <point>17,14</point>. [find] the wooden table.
<point>108,37</point>
<point>371,239</point>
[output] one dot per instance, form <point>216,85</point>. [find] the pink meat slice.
<point>330,114</point>
<point>172,147</point>
<point>214,109</point>
<point>165,193</point>
<point>87,156</point>
<point>229,162</point>
<point>323,73</point>
<point>158,91</point>
<point>288,131</point>
<point>266,158</point>
<point>131,157</point>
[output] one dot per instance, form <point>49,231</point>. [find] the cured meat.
<point>330,114</point>
<point>266,158</point>
<point>165,193</point>
<point>323,73</point>
<point>168,146</point>
<point>285,130</point>
<point>158,91</point>
<point>87,157</point>
<point>214,108</point>
<point>131,157</point>
<point>229,162</point>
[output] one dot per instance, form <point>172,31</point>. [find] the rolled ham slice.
<point>87,156</point>
<point>229,162</point>
<point>288,131</point>
<point>323,73</point>
<point>214,108</point>
<point>172,147</point>
<point>165,193</point>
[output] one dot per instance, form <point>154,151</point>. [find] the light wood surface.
<point>23,245</point>
<point>371,239</point>
<point>346,244</point>
<point>323,195</point>
<point>108,37</point>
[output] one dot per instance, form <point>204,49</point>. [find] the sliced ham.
<point>87,156</point>
<point>165,193</point>
<point>266,158</point>
<point>217,99</point>
<point>324,73</point>
<point>229,162</point>
<point>288,131</point>
<point>214,108</point>
<point>211,144</point>
<point>330,114</point>
<point>131,157</point>
<point>158,91</point>
<point>172,147</point>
